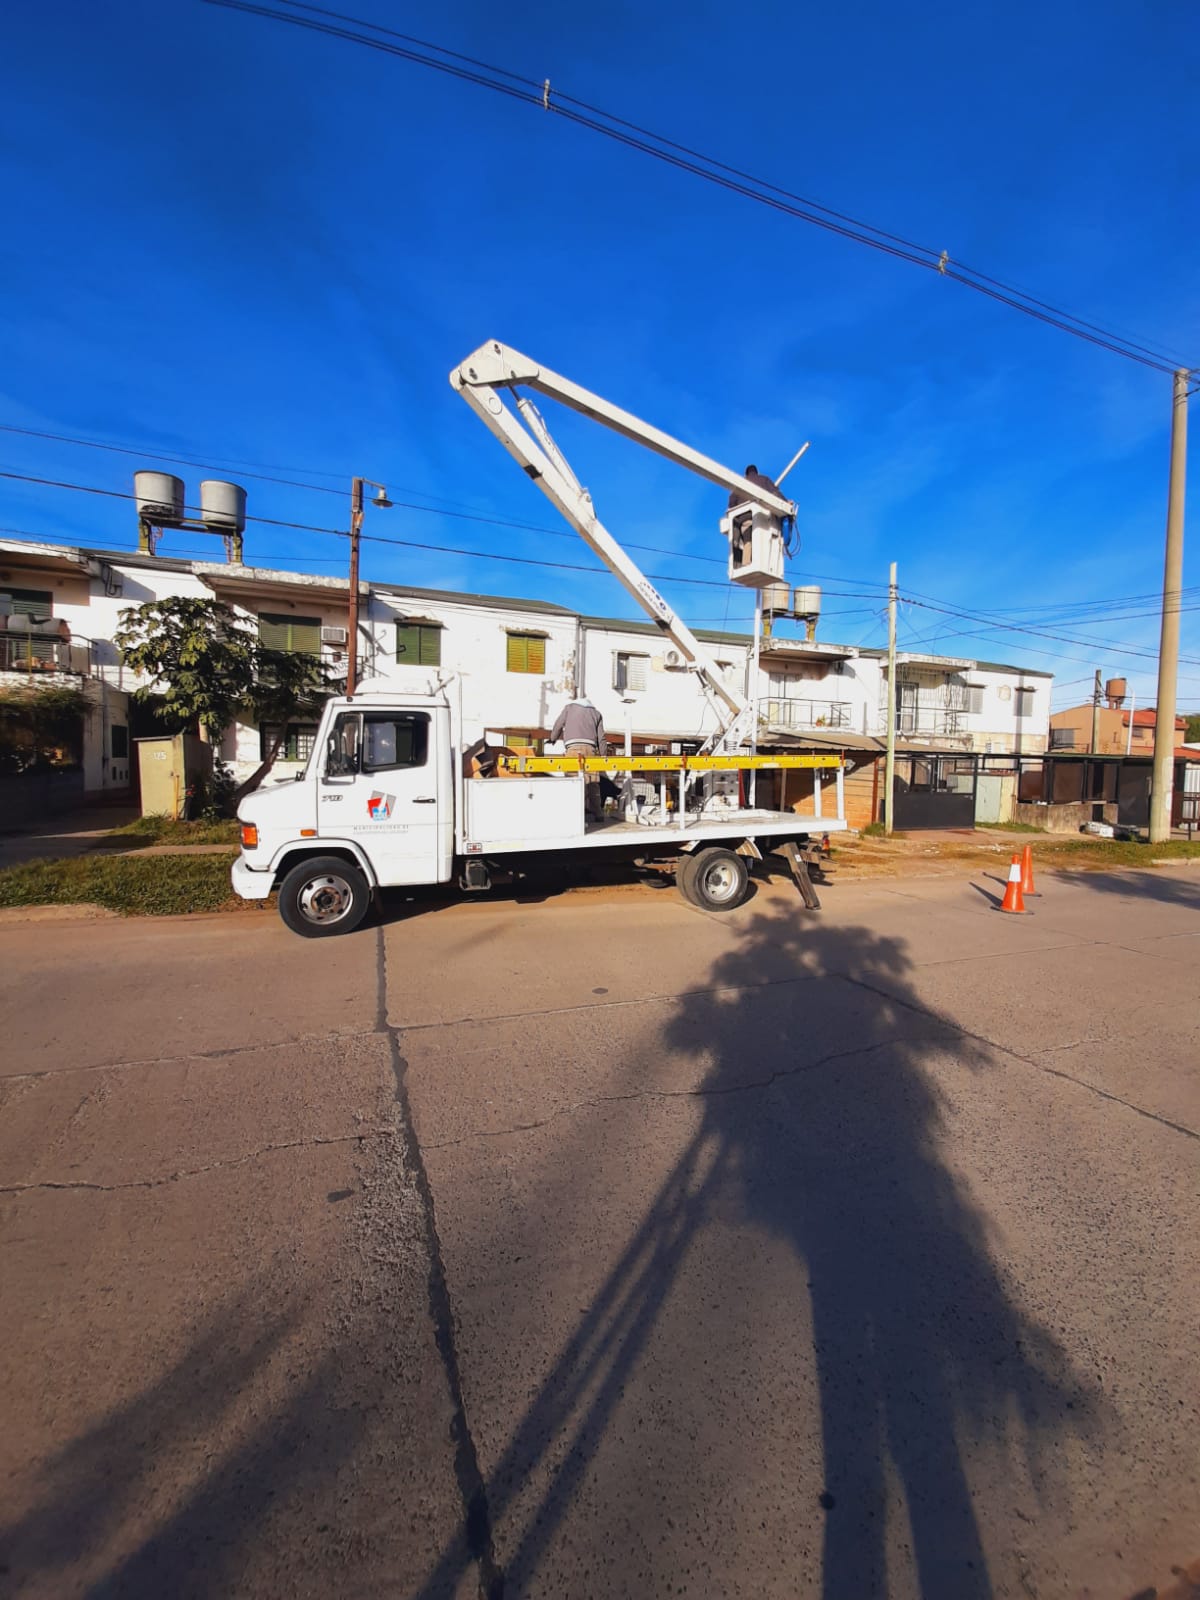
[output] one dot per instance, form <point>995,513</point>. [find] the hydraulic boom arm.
<point>495,367</point>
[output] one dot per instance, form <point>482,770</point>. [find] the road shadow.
<point>168,1493</point>
<point>1139,883</point>
<point>822,1124</point>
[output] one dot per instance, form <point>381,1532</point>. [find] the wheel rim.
<point>325,900</point>
<point>720,881</point>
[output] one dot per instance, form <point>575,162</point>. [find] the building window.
<point>296,635</point>
<point>1023,702</point>
<point>974,699</point>
<point>120,742</point>
<point>22,648</point>
<point>31,602</point>
<point>629,672</point>
<point>418,644</point>
<point>298,741</point>
<point>526,652</point>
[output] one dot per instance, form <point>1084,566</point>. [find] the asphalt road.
<point>597,1247</point>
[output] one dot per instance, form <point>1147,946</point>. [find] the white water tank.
<point>806,602</point>
<point>159,497</point>
<point>222,506</point>
<point>776,597</point>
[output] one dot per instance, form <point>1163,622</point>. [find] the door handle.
<point>425,800</point>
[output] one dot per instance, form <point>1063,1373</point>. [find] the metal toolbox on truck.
<point>501,811</point>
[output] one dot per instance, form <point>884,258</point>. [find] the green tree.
<point>1192,735</point>
<point>206,665</point>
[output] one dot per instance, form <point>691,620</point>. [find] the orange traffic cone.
<point>1012,895</point>
<point>1027,871</point>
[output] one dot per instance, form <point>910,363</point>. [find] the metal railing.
<point>24,653</point>
<point>931,721</point>
<point>789,714</point>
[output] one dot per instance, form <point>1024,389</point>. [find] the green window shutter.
<point>526,653</point>
<point>31,602</point>
<point>306,635</point>
<point>430,647</point>
<point>297,634</point>
<point>418,644</point>
<point>274,633</point>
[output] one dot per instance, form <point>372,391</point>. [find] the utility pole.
<point>1095,745</point>
<point>1168,649</point>
<point>889,782</point>
<point>356,522</point>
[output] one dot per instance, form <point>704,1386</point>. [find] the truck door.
<point>383,786</point>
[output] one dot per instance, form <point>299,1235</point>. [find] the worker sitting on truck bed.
<point>581,728</point>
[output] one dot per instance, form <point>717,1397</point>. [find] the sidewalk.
<point>73,833</point>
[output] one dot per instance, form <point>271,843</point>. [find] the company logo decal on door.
<point>379,806</point>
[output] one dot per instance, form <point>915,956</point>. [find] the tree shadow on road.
<point>820,1078</point>
<point>1148,883</point>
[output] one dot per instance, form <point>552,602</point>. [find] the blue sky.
<point>248,243</point>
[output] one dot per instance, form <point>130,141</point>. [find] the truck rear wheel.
<point>714,879</point>
<point>323,896</point>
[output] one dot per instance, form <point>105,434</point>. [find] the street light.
<point>356,520</point>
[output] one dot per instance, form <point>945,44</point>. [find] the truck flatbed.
<point>740,824</point>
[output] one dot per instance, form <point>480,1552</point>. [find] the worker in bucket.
<point>581,729</point>
<point>737,497</point>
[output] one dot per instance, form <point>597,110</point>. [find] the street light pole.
<point>889,781</point>
<point>1168,649</point>
<point>356,522</point>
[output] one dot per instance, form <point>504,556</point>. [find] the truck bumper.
<point>249,884</point>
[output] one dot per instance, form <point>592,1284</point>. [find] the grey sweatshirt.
<point>580,723</point>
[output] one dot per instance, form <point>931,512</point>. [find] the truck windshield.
<point>343,756</point>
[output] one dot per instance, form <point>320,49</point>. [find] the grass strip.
<point>163,886</point>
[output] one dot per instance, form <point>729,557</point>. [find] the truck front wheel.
<point>714,879</point>
<point>323,896</point>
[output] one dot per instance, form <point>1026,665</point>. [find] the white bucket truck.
<point>387,799</point>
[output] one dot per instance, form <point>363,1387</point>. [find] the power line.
<point>985,624</point>
<point>1111,646</point>
<point>119,494</point>
<point>316,488</point>
<point>530,92</point>
<point>410,544</point>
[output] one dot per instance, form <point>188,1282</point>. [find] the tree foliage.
<point>40,726</point>
<point>206,665</point>
<point>199,655</point>
<point>1193,729</point>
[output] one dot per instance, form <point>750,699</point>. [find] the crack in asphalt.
<point>915,1008</point>
<point>1032,1061</point>
<point>700,1092</point>
<point>226,1052</point>
<point>477,1521</point>
<point>197,1172</point>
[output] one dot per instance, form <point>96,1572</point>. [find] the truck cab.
<point>377,796</point>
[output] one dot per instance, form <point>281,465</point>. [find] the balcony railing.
<point>787,715</point>
<point>939,722</point>
<point>24,653</point>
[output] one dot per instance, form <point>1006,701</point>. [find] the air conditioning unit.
<point>673,659</point>
<point>337,636</point>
